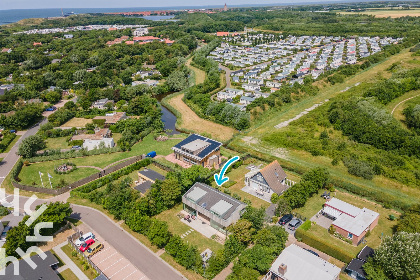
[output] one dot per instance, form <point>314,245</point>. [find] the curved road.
<point>138,254</point>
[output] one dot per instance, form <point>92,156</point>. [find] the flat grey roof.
<point>211,197</point>
<point>196,145</point>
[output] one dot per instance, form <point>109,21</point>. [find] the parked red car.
<point>86,245</point>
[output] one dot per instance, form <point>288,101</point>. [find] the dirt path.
<point>200,75</point>
<point>392,112</point>
<point>191,121</point>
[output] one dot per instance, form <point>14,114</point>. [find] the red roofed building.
<point>129,42</point>
<point>145,39</point>
<point>168,42</point>
<point>37,44</point>
<point>112,29</point>
<point>221,34</point>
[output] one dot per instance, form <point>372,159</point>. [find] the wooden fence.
<point>70,242</point>
<point>80,182</point>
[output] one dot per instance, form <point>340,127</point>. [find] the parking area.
<point>112,263</point>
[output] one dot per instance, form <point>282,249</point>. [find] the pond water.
<point>169,119</point>
<point>158,18</point>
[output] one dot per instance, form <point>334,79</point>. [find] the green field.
<point>294,134</point>
<point>57,143</point>
<point>30,174</point>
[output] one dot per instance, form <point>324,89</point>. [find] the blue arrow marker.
<point>219,178</point>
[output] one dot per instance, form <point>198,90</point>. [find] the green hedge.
<point>84,190</point>
<point>306,225</point>
<point>16,170</point>
<point>5,142</point>
<point>314,241</point>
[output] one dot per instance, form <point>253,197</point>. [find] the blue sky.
<point>43,4</point>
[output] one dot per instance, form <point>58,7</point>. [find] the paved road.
<point>138,254</point>
<point>6,165</point>
<point>10,160</point>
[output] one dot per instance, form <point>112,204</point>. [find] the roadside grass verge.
<point>67,274</point>
<point>189,274</point>
<point>12,144</point>
<point>80,262</point>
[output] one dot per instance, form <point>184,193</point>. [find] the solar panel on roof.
<point>196,194</point>
<point>221,207</point>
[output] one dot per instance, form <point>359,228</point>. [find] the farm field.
<point>384,13</point>
<point>265,126</point>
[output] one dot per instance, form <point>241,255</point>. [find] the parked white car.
<point>83,238</point>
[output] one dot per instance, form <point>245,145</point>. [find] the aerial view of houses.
<point>228,141</point>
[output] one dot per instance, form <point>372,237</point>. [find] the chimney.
<point>282,269</point>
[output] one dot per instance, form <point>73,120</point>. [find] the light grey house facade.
<point>212,206</point>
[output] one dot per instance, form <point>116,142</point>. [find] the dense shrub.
<point>323,245</point>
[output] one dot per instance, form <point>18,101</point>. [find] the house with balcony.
<point>268,180</point>
<point>198,150</point>
<point>212,207</point>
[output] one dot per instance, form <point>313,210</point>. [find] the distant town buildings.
<point>141,31</point>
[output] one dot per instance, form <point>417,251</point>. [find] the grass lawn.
<point>238,175</point>
<point>385,225</point>
<point>189,274</point>
<point>29,174</point>
<point>384,13</point>
<point>77,122</point>
<point>12,144</point>
<point>57,143</point>
<point>67,275</point>
<point>79,261</point>
<point>399,104</point>
<point>177,227</point>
